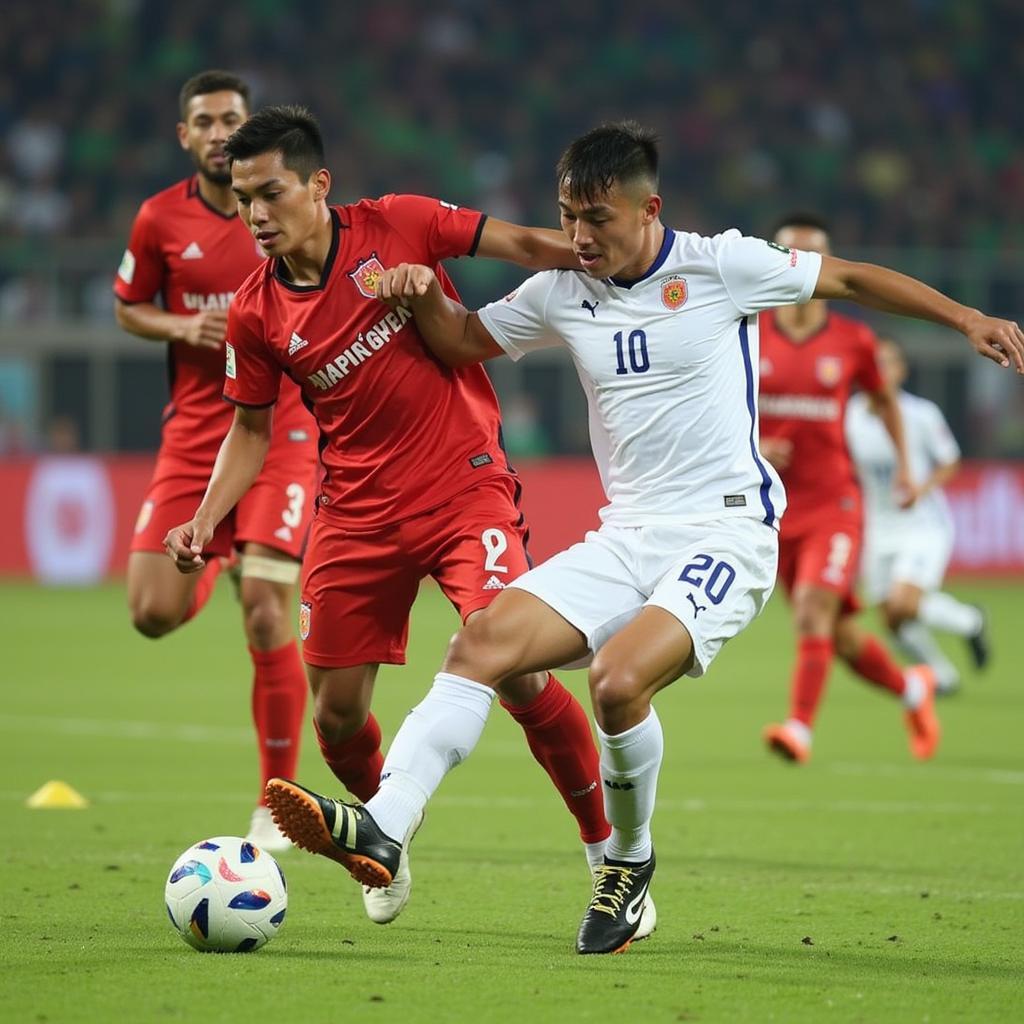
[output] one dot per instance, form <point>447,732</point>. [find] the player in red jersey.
<point>812,359</point>
<point>189,248</point>
<point>415,481</point>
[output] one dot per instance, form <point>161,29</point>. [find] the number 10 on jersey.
<point>635,348</point>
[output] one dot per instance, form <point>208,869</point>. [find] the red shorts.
<point>276,511</point>
<point>824,554</point>
<point>358,587</point>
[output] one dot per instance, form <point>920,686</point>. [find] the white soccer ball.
<point>226,895</point>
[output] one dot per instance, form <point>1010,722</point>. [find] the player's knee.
<point>895,614</point>
<point>266,625</point>
<point>151,619</point>
<point>338,719</point>
<point>613,687</point>
<point>480,651</point>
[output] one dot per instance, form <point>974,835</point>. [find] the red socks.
<point>204,588</point>
<point>558,732</point>
<point>278,708</point>
<point>813,660</point>
<point>877,666</point>
<point>356,762</point>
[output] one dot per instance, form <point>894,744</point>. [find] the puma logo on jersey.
<point>494,584</point>
<point>365,345</point>
<point>590,307</point>
<point>192,252</point>
<point>697,608</point>
<point>295,343</point>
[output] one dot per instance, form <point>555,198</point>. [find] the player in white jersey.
<point>906,551</point>
<point>660,325</point>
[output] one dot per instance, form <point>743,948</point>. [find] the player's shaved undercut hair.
<point>623,152</point>
<point>211,81</point>
<point>290,130</point>
<point>802,219</point>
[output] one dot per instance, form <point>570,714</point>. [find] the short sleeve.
<point>868,376</point>
<point>943,449</point>
<point>762,275</point>
<point>447,230</point>
<point>252,377</point>
<point>518,322</point>
<point>140,276</point>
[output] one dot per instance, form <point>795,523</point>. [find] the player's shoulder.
<point>691,246</point>
<point>387,208</point>
<point>917,405</point>
<point>250,295</point>
<point>846,326</point>
<point>170,198</point>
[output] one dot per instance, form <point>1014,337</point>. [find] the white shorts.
<point>713,577</point>
<point>918,557</point>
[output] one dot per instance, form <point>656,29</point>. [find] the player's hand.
<point>207,329</point>
<point>403,282</point>
<point>778,451</point>
<point>185,545</point>
<point>1002,341</point>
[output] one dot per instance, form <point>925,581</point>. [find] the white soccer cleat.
<point>384,905</point>
<point>648,919</point>
<point>265,834</point>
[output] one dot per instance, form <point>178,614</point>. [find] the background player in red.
<point>189,248</point>
<point>415,480</point>
<point>812,359</point>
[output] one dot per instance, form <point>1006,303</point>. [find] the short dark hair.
<point>802,219</point>
<point>290,130</point>
<point>622,152</point>
<point>211,81</point>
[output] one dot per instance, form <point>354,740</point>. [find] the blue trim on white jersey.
<point>659,260</point>
<point>766,480</point>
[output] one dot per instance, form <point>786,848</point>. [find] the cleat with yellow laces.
<point>616,908</point>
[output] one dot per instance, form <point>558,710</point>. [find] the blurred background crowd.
<point>899,121</point>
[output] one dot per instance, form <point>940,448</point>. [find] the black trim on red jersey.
<point>325,274</point>
<point>194,193</point>
<point>781,331</point>
<point>249,405</point>
<point>479,234</point>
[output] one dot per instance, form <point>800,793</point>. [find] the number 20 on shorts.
<point>715,583</point>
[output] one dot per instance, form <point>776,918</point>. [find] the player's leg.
<point>900,609</point>
<point>914,686</point>
<point>473,563</point>
<point>279,687</point>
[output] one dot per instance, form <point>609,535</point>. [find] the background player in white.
<point>660,325</point>
<point>906,551</point>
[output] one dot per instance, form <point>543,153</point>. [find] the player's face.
<point>805,238</point>
<point>276,205</point>
<point>209,120</point>
<point>608,234</point>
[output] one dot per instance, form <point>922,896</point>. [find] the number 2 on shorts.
<point>495,545</point>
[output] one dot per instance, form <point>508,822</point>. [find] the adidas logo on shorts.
<point>494,584</point>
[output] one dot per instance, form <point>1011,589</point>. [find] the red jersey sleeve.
<point>140,276</point>
<point>446,230</point>
<point>252,376</point>
<point>868,376</point>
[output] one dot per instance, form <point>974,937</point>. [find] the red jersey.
<point>400,432</point>
<point>804,390</point>
<point>194,258</point>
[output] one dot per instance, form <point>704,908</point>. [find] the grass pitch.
<point>862,887</point>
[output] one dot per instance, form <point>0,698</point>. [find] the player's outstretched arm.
<point>454,334</point>
<point>880,288</point>
<point>147,320</point>
<point>238,464</point>
<point>533,248</point>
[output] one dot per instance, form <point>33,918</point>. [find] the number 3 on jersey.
<point>635,346</point>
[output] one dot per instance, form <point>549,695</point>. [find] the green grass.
<point>905,878</point>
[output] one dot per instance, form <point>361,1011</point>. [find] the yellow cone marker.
<point>56,794</point>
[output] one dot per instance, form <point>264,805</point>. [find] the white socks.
<point>439,733</point>
<point>918,643</point>
<point>944,612</point>
<point>630,763</point>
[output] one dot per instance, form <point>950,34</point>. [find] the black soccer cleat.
<point>978,644</point>
<point>344,832</point>
<point>613,917</point>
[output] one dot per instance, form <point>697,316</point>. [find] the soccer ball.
<point>225,895</point>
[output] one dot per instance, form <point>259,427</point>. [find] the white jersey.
<point>930,444</point>
<point>669,365</point>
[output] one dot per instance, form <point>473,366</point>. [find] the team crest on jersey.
<point>305,612</point>
<point>829,369</point>
<point>145,515</point>
<point>673,293</point>
<point>367,276</point>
